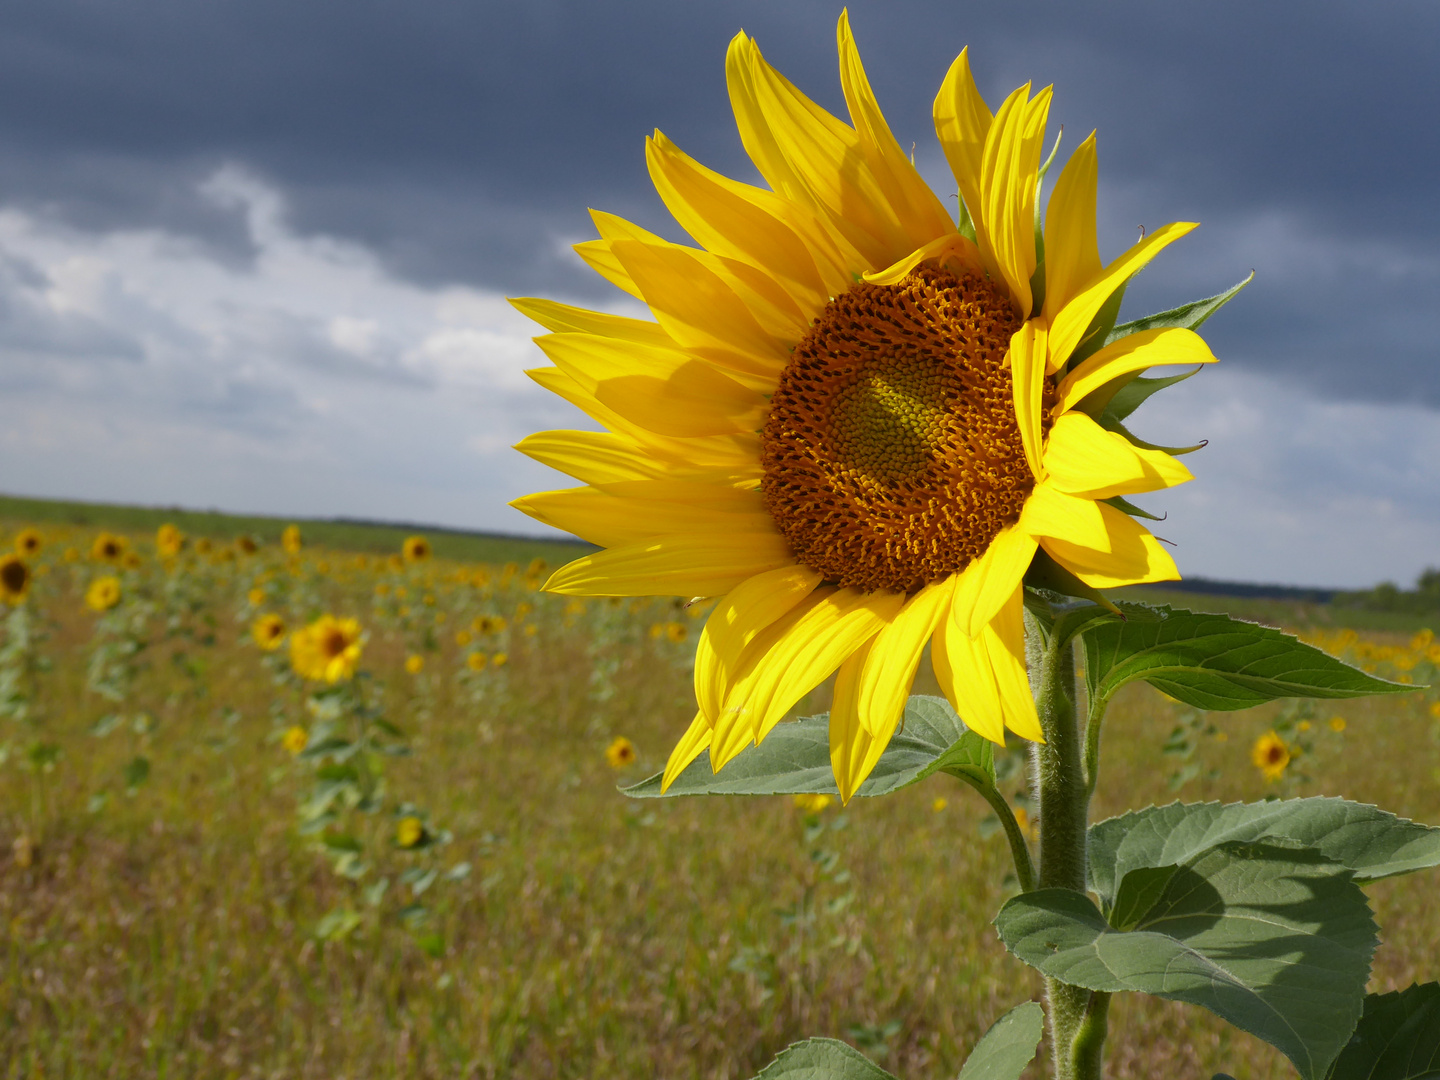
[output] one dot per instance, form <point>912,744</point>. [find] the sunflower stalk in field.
<point>867,429</point>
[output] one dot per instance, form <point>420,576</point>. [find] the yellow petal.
<point>564,319</point>
<point>921,215</point>
<point>895,654</point>
<point>743,614</point>
<point>667,391</point>
<point>962,121</point>
<point>854,748</point>
<point>1027,383</point>
<point>962,668</point>
<point>1069,325</point>
<point>804,653</point>
<point>1097,543</point>
<point>597,255</point>
<point>692,744</point>
<point>1009,169</point>
<point>953,252</point>
<point>593,457</point>
<point>683,565</point>
<point>988,582</point>
<point>1134,352</point>
<point>1004,641</point>
<point>1072,256</point>
<point>1082,458</point>
<point>613,521</point>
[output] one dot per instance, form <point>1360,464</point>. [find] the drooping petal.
<point>985,585</point>
<point>683,565</point>
<point>1097,543</point>
<point>962,121</point>
<point>952,252</point>
<point>895,654</point>
<point>854,748</point>
<point>1082,458</point>
<point>609,520</point>
<point>1004,642</point>
<point>962,668</point>
<point>742,615</point>
<point>1134,352</point>
<point>1070,323</point>
<point>1027,381</point>
<point>692,744</point>
<point>1009,169</point>
<point>1072,255</point>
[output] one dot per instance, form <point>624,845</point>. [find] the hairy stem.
<point>1019,849</point>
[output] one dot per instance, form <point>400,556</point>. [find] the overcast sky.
<point>253,254</point>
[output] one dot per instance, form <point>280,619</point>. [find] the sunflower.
<point>103,593</point>
<point>246,545</point>
<point>15,578</point>
<point>327,650</point>
<point>169,541</point>
<point>290,540</point>
<point>416,549</point>
<point>28,542</point>
<point>268,631</point>
<point>620,753</point>
<point>109,548</point>
<point>1270,755</point>
<point>855,421</point>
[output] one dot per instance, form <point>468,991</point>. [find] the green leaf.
<point>794,759</point>
<point>1003,1052</point>
<point>1398,1038</point>
<point>137,771</point>
<point>1187,316</point>
<point>1364,839</point>
<point>822,1059</point>
<point>1275,940</point>
<point>1216,662</point>
<point>1140,890</point>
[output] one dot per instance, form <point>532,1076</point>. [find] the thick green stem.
<point>1059,782</point>
<point>1093,723</point>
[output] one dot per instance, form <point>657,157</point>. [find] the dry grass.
<point>169,934</point>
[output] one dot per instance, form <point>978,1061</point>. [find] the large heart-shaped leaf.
<point>1275,940</point>
<point>1398,1038</point>
<point>1364,839</point>
<point>822,1059</point>
<point>794,759</point>
<point>1003,1052</point>
<point>1216,662</point>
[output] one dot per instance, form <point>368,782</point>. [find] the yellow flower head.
<point>203,546</point>
<point>476,661</point>
<point>500,659</point>
<point>255,596</point>
<point>1337,723</point>
<point>72,554</point>
<point>295,739</point>
<point>854,419</point>
<point>480,578</point>
<point>939,803</point>
<point>677,632</point>
<point>409,831</point>
<point>462,638</point>
<point>328,650</point>
<point>1303,726</point>
<point>290,540</point>
<point>416,549</point>
<point>620,752</point>
<point>15,578</point>
<point>169,541</point>
<point>109,548</point>
<point>395,562</point>
<point>268,631</point>
<point>246,545</point>
<point>1270,755</point>
<point>103,593</point>
<point>811,804</point>
<point>28,542</point>
<point>414,663</point>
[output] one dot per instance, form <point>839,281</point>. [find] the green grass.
<point>170,932</point>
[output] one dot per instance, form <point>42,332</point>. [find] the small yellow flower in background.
<point>415,549</point>
<point>1422,640</point>
<point>1303,726</point>
<point>531,629</point>
<point>268,631</point>
<point>522,609</point>
<point>256,597</point>
<point>108,548</point>
<point>537,567</point>
<point>428,599</point>
<point>246,545</point>
<point>409,831</point>
<point>812,804</point>
<point>1435,710</point>
<point>290,540</point>
<point>620,753</point>
<point>132,560</point>
<point>328,650</point>
<point>404,611</point>
<point>939,804</point>
<point>203,546</point>
<point>1027,827</point>
<point>401,592</point>
<point>395,562</point>
<point>676,632</point>
<point>322,567</point>
<point>500,659</point>
<point>295,739</point>
<point>462,638</point>
<point>15,579</point>
<point>575,607</point>
<point>480,578</point>
<point>72,554</point>
<point>415,663</point>
<point>657,631</point>
<point>103,593</point>
<point>1337,723</point>
<point>476,661</point>
<point>169,541</point>
<point>1222,736</point>
<point>1270,755</point>
<point>28,542</point>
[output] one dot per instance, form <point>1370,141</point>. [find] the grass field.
<point>207,914</point>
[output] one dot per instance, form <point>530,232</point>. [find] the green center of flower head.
<point>892,454</point>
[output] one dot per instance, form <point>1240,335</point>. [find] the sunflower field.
<point>276,810</point>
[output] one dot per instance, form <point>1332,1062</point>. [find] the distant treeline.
<point>1423,599</point>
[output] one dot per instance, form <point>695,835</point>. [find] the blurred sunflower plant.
<point>867,428</point>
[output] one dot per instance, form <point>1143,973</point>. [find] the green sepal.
<point>1275,940</point>
<point>794,759</point>
<point>965,226</point>
<point>1127,507</point>
<point>1097,334</point>
<point>1217,663</point>
<point>1185,317</point>
<point>822,1059</point>
<point>1121,396</point>
<point>1110,423</point>
<point>1046,574</point>
<point>1398,1038</point>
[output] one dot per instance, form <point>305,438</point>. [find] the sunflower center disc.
<point>892,455</point>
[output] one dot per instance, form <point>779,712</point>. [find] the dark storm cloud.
<point>462,140</point>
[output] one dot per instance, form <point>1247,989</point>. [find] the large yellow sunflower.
<point>854,420</point>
